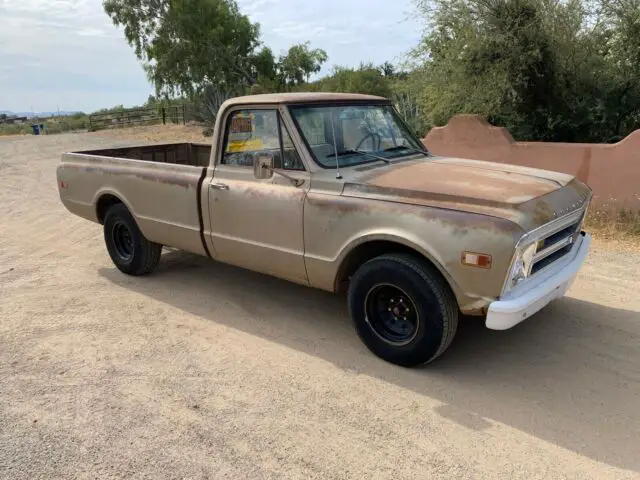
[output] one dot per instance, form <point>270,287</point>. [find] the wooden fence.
<point>177,114</point>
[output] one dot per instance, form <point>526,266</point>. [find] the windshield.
<point>355,133</point>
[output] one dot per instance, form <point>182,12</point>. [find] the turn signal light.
<point>473,259</point>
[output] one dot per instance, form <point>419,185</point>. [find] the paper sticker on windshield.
<point>241,125</point>
<point>245,145</point>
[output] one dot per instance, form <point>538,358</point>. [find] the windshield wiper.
<point>351,152</point>
<point>404,147</point>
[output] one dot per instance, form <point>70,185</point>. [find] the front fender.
<point>404,238</point>
<point>335,226</point>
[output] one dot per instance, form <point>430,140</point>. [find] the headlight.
<point>521,266</point>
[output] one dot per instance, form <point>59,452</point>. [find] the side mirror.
<point>263,167</point>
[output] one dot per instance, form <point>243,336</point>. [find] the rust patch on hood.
<point>561,179</point>
<point>528,197</point>
<point>462,182</point>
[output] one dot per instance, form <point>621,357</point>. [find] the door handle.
<point>219,186</point>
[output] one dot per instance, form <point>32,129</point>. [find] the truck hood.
<point>527,196</point>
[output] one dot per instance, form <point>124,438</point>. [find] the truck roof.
<point>302,97</point>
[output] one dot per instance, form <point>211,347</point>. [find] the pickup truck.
<point>335,192</point>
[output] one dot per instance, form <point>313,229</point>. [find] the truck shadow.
<point>569,376</point>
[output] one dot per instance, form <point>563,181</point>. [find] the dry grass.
<point>13,130</point>
<point>53,125</point>
<point>618,227</point>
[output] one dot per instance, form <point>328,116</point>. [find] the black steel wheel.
<point>403,309</point>
<point>122,240</point>
<point>128,248</point>
<point>392,314</point>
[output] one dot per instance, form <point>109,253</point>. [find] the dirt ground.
<point>206,371</point>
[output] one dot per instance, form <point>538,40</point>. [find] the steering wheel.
<point>377,140</point>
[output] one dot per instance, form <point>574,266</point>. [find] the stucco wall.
<point>611,170</point>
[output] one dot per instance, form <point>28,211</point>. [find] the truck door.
<point>258,223</point>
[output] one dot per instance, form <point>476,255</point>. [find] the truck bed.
<point>160,185</point>
<point>194,154</point>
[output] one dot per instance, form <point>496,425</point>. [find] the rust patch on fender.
<point>342,205</point>
<point>459,222</point>
<point>178,179</point>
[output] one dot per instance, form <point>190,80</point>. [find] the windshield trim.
<point>395,112</point>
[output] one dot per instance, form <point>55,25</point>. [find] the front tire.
<point>403,309</point>
<point>128,248</point>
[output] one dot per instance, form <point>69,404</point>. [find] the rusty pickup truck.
<point>335,192</point>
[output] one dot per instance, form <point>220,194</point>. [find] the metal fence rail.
<point>177,114</point>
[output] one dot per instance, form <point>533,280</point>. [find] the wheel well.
<point>104,204</point>
<point>367,251</point>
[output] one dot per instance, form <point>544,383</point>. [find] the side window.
<point>290,157</point>
<point>249,134</point>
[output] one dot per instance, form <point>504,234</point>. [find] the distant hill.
<point>62,113</point>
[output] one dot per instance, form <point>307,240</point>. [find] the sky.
<point>67,55</point>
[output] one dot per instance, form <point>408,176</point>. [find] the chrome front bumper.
<point>534,294</point>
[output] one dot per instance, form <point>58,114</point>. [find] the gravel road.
<point>207,371</point>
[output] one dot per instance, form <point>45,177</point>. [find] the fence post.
<point>164,116</point>
<point>184,114</point>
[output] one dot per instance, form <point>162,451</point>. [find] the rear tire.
<point>128,248</point>
<point>403,309</point>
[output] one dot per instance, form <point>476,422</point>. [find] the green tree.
<point>264,65</point>
<point>115,109</point>
<point>387,69</point>
<point>212,99</point>
<point>151,102</point>
<point>547,70</point>
<point>406,88</point>
<point>300,61</point>
<point>619,41</point>
<point>366,79</point>
<point>185,45</point>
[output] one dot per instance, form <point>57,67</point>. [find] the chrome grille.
<point>551,241</point>
<point>557,242</point>
<point>548,260</point>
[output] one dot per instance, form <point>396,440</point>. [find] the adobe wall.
<point>611,170</point>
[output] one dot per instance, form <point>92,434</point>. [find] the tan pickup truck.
<point>334,191</point>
